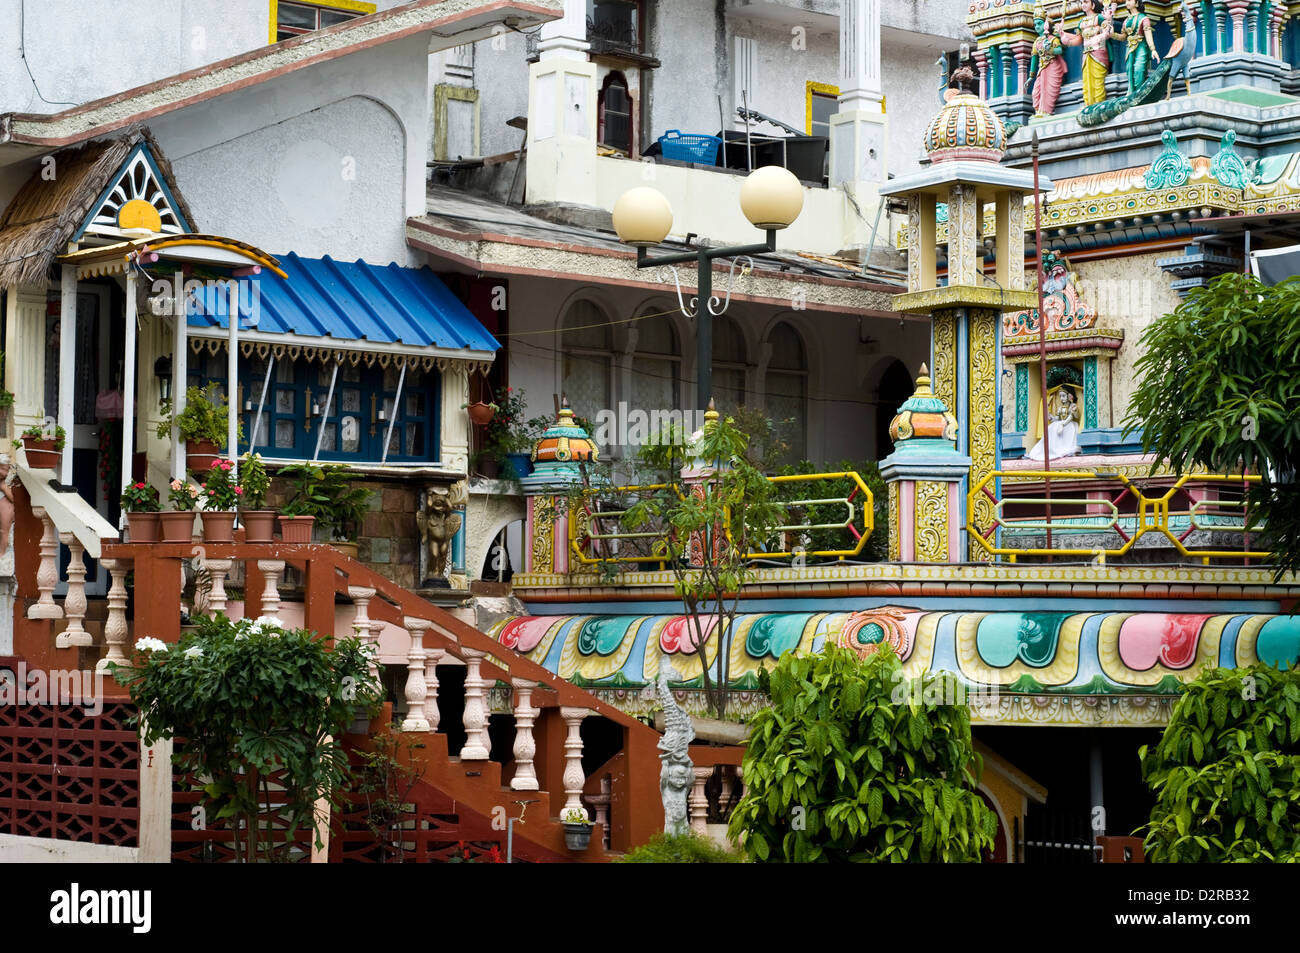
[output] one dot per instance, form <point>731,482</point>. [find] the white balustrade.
<point>525,748</point>
<point>47,573</point>
<point>573,777</point>
<point>218,570</point>
<point>415,684</point>
<point>272,570</point>
<point>477,745</point>
<point>698,802</point>
<point>361,624</point>
<point>115,630</point>
<point>74,603</point>
<point>431,714</point>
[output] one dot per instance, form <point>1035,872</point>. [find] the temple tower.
<point>948,203</point>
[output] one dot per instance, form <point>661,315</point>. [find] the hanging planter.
<point>480,413</point>
<point>43,448</point>
<point>200,455</point>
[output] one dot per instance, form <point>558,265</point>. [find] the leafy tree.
<point>1219,381</point>
<point>258,712</point>
<point>854,763</point>
<point>1226,774</point>
<point>704,530</point>
<point>821,540</point>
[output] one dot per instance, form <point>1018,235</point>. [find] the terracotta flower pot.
<point>41,454</point>
<point>218,526</point>
<point>177,526</point>
<point>296,529</point>
<point>480,413</point>
<point>346,547</point>
<point>143,527</point>
<point>259,525</point>
<point>199,455</point>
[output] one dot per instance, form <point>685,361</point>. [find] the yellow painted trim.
<point>825,89</point>
<point>352,6</point>
<point>260,257</point>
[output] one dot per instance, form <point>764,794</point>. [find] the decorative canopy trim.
<point>262,349</point>
<point>139,183</point>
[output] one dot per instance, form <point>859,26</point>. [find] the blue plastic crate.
<point>689,147</point>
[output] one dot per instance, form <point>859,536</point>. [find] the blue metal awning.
<point>346,304</point>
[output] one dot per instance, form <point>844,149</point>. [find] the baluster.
<point>600,802</point>
<point>47,573</point>
<point>740,782</point>
<point>726,776</point>
<point>475,717</point>
<point>74,603</point>
<point>376,626</point>
<point>573,777</point>
<point>415,685</point>
<point>431,714</point>
<point>525,748</point>
<point>272,570</point>
<point>218,569</point>
<point>115,627</point>
<point>698,802</point>
<point>361,624</point>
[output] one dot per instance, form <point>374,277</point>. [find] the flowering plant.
<point>140,498</point>
<point>220,491</point>
<point>253,481</point>
<point>184,495</point>
<point>509,430</point>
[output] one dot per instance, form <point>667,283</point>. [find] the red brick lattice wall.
<point>68,775</point>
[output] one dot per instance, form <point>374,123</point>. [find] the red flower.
<point>139,486</point>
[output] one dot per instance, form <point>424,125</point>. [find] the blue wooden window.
<point>353,428</point>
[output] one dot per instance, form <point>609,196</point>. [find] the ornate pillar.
<point>218,569</point>
<point>1022,50</point>
<point>982,71</point>
<point>965,223</point>
<point>574,778</point>
<point>698,802</point>
<point>47,573</point>
<point>415,684</point>
<point>431,713</point>
<point>454,432</point>
<point>74,603</point>
<point>477,744</point>
<point>1004,57</point>
<point>525,748</point>
<point>115,627</point>
<point>272,570</point>
<point>361,596</point>
<point>1237,10</point>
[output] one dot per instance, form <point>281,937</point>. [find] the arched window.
<point>787,389</point>
<point>656,366</point>
<point>614,114</point>
<point>895,388</point>
<point>728,364</point>
<point>587,355</point>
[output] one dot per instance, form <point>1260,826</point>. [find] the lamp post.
<point>771,199</point>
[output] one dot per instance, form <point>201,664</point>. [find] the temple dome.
<point>965,128</point>
<point>923,420</point>
<point>565,441</point>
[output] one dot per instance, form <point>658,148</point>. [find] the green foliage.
<point>830,540</point>
<point>206,416</point>
<point>329,494</point>
<point>40,432</point>
<point>508,432</point>
<point>140,498</point>
<point>386,777</point>
<point>248,700</point>
<point>1219,379</point>
<point>253,480</point>
<point>689,848</point>
<point>851,763</point>
<point>1226,773</point>
<point>220,491</point>
<point>183,495</point>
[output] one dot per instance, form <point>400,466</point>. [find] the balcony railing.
<point>1115,512</point>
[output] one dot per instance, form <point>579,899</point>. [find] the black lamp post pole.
<point>703,259</point>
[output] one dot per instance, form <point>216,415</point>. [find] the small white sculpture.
<point>677,773</point>
<point>1062,430</point>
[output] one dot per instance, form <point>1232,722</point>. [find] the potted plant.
<point>259,523</point>
<point>221,494</point>
<point>328,494</point>
<point>480,413</point>
<point>509,437</point>
<point>577,829</point>
<point>43,446</point>
<point>203,425</point>
<point>178,525</point>
<point>140,501</point>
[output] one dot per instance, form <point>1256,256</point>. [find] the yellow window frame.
<point>352,6</point>
<point>811,88</point>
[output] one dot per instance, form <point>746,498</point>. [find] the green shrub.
<point>1226,773</point>
<point>681,849</point>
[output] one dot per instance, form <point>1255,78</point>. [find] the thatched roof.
<point>45,214</point>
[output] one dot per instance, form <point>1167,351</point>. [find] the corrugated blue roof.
<point>351,301</point>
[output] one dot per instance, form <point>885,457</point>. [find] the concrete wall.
<point>15,849</point>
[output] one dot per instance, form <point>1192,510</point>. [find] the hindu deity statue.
<point>1047,68</point>
<point>1095,30</point>
<point>1141,43</point>
<point>1062,429</point>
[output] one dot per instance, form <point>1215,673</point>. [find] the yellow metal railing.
<point>857,523</point>
<point>1150,514</point>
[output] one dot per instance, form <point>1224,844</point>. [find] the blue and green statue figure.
<point>1140,43</point>
<point>924,475</point>
<point>559,457</point>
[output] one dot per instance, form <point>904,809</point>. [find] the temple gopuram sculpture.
<point>1047,68</point>
<point>1141,44</point>
<point>676,774</point>
<point>1095,30</point>
<point>1182,53</point>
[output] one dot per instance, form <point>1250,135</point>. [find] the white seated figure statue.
<point>1062,434</point>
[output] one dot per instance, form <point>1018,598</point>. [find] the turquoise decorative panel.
<point>1022,398</point>
<point>1004,637</point>
<point>1090,393</point>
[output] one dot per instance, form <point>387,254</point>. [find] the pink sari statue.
<point>1050,53</point>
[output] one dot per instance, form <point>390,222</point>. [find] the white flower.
<point>150,644</point>
<point>194,652</point>
<point>241,637</point>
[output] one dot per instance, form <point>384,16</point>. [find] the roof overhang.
<point>211,250</point>
<point>331,348</point>
<point>989,176</point>
<point>449,23</point>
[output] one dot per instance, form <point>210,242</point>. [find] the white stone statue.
<point>677,773</point>
<point>1063,429</point>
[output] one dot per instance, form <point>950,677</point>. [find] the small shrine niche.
<point>1079,365</point>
